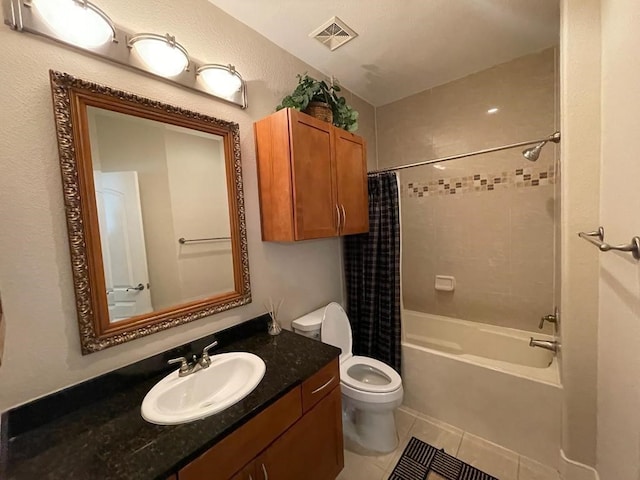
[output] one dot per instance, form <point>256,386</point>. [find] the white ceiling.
<point>404,46</point>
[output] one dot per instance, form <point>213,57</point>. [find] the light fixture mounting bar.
<point>21,16</point>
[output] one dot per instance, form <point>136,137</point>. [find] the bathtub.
<point>485,380</point>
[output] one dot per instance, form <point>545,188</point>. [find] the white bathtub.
<point>485,380</point>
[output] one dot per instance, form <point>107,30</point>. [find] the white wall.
<point>580,174</point>
<point>198,191</point>
<point>618,454</point>
<point>42,351</point>
<point>601,101</point>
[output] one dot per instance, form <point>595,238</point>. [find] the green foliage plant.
<point>311,90</point>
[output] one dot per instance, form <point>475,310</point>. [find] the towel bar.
<point>597,239</point>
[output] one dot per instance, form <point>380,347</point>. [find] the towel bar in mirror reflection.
<point>135,171</point>
<point>184,241</point>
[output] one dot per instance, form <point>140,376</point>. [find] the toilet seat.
<point>371,386</point>
<point>377,369</point>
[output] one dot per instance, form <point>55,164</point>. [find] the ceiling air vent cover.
<point>333,34</point>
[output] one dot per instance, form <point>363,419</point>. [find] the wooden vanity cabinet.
<point>297,437</point>
<point>311,450</point>
<point>312,178</point>
<point>247,473</point>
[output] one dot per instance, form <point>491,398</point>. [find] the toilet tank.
<point>310,324</point>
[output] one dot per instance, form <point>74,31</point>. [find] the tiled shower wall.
<point>487,220</point>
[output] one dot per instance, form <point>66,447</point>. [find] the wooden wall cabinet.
<point>298,437</point>
<point>312,178</point>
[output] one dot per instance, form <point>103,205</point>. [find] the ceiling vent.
<point>333,34</point>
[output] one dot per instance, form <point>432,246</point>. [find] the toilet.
<point>371,390</point>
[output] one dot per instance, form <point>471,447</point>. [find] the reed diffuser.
<point>274,326</point>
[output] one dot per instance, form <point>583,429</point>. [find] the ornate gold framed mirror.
<point>155,212</point>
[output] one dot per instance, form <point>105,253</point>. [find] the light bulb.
<point>84,25</point>
<point>160,54</point>
<point>220,79</point>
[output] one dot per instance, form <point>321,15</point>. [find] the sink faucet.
<point>552,345</point>
<point>205,359</point>
<point>187,368</point>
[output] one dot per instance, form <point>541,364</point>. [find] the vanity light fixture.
<point>222,80</point>
<point>493,110</point>
<point>161,54</point>
<point>84,26</point>
<point>77,21</point>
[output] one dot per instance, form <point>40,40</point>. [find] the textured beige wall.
<point>367,127</point>
<point>580,120</point>
<point>498,242</point>
<point>3,330</point>
<point>618,456</point>
<point>42,350</point>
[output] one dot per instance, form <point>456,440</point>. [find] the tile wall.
<point>487,220</point>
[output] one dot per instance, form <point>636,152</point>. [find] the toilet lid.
<point>336,329</point>
<point>369,375</point>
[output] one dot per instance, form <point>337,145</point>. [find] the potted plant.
<point>322,101</point>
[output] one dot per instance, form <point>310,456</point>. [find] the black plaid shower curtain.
<point>372,271</point>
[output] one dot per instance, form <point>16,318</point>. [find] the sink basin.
<point>229,378</point>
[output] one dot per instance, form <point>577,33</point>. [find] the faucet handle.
<point>205,360</point>
<point>184,363</point>
<point>551,318</point>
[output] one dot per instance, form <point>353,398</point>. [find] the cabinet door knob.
<point>344,216</point>
<point>264,470</point>
<point>338,213</point>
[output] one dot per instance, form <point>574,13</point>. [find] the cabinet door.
<point>351,178</point>
<point>315,214</point>
<point>247,473</point>
<point>311,450</point>
<point>239,448</point>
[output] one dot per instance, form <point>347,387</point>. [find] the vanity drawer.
<point>240,447</point>
<point>317,387</point>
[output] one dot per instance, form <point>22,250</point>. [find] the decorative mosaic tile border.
<point>480,182</point>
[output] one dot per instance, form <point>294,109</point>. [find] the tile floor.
<point>488,457</point>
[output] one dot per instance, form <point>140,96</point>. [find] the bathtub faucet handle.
<point>551,318</point>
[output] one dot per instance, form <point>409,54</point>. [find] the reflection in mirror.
<point>157,184</point>
<point>155,212</point>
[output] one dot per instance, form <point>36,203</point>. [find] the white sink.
<point>229,378</point>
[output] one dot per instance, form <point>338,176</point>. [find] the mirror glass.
<point>154,202</point>
<point>162,202</point>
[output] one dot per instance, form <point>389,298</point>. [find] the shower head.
<point>533,153</point>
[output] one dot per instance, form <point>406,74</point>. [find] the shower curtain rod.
<point>554,138</point>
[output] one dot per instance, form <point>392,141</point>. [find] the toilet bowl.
<point>371,390</point>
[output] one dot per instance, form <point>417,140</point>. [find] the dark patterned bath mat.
<point>420,459</point>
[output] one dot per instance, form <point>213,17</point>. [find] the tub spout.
<point>552,345</point>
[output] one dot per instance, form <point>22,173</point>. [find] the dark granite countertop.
<point>109,439</point>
